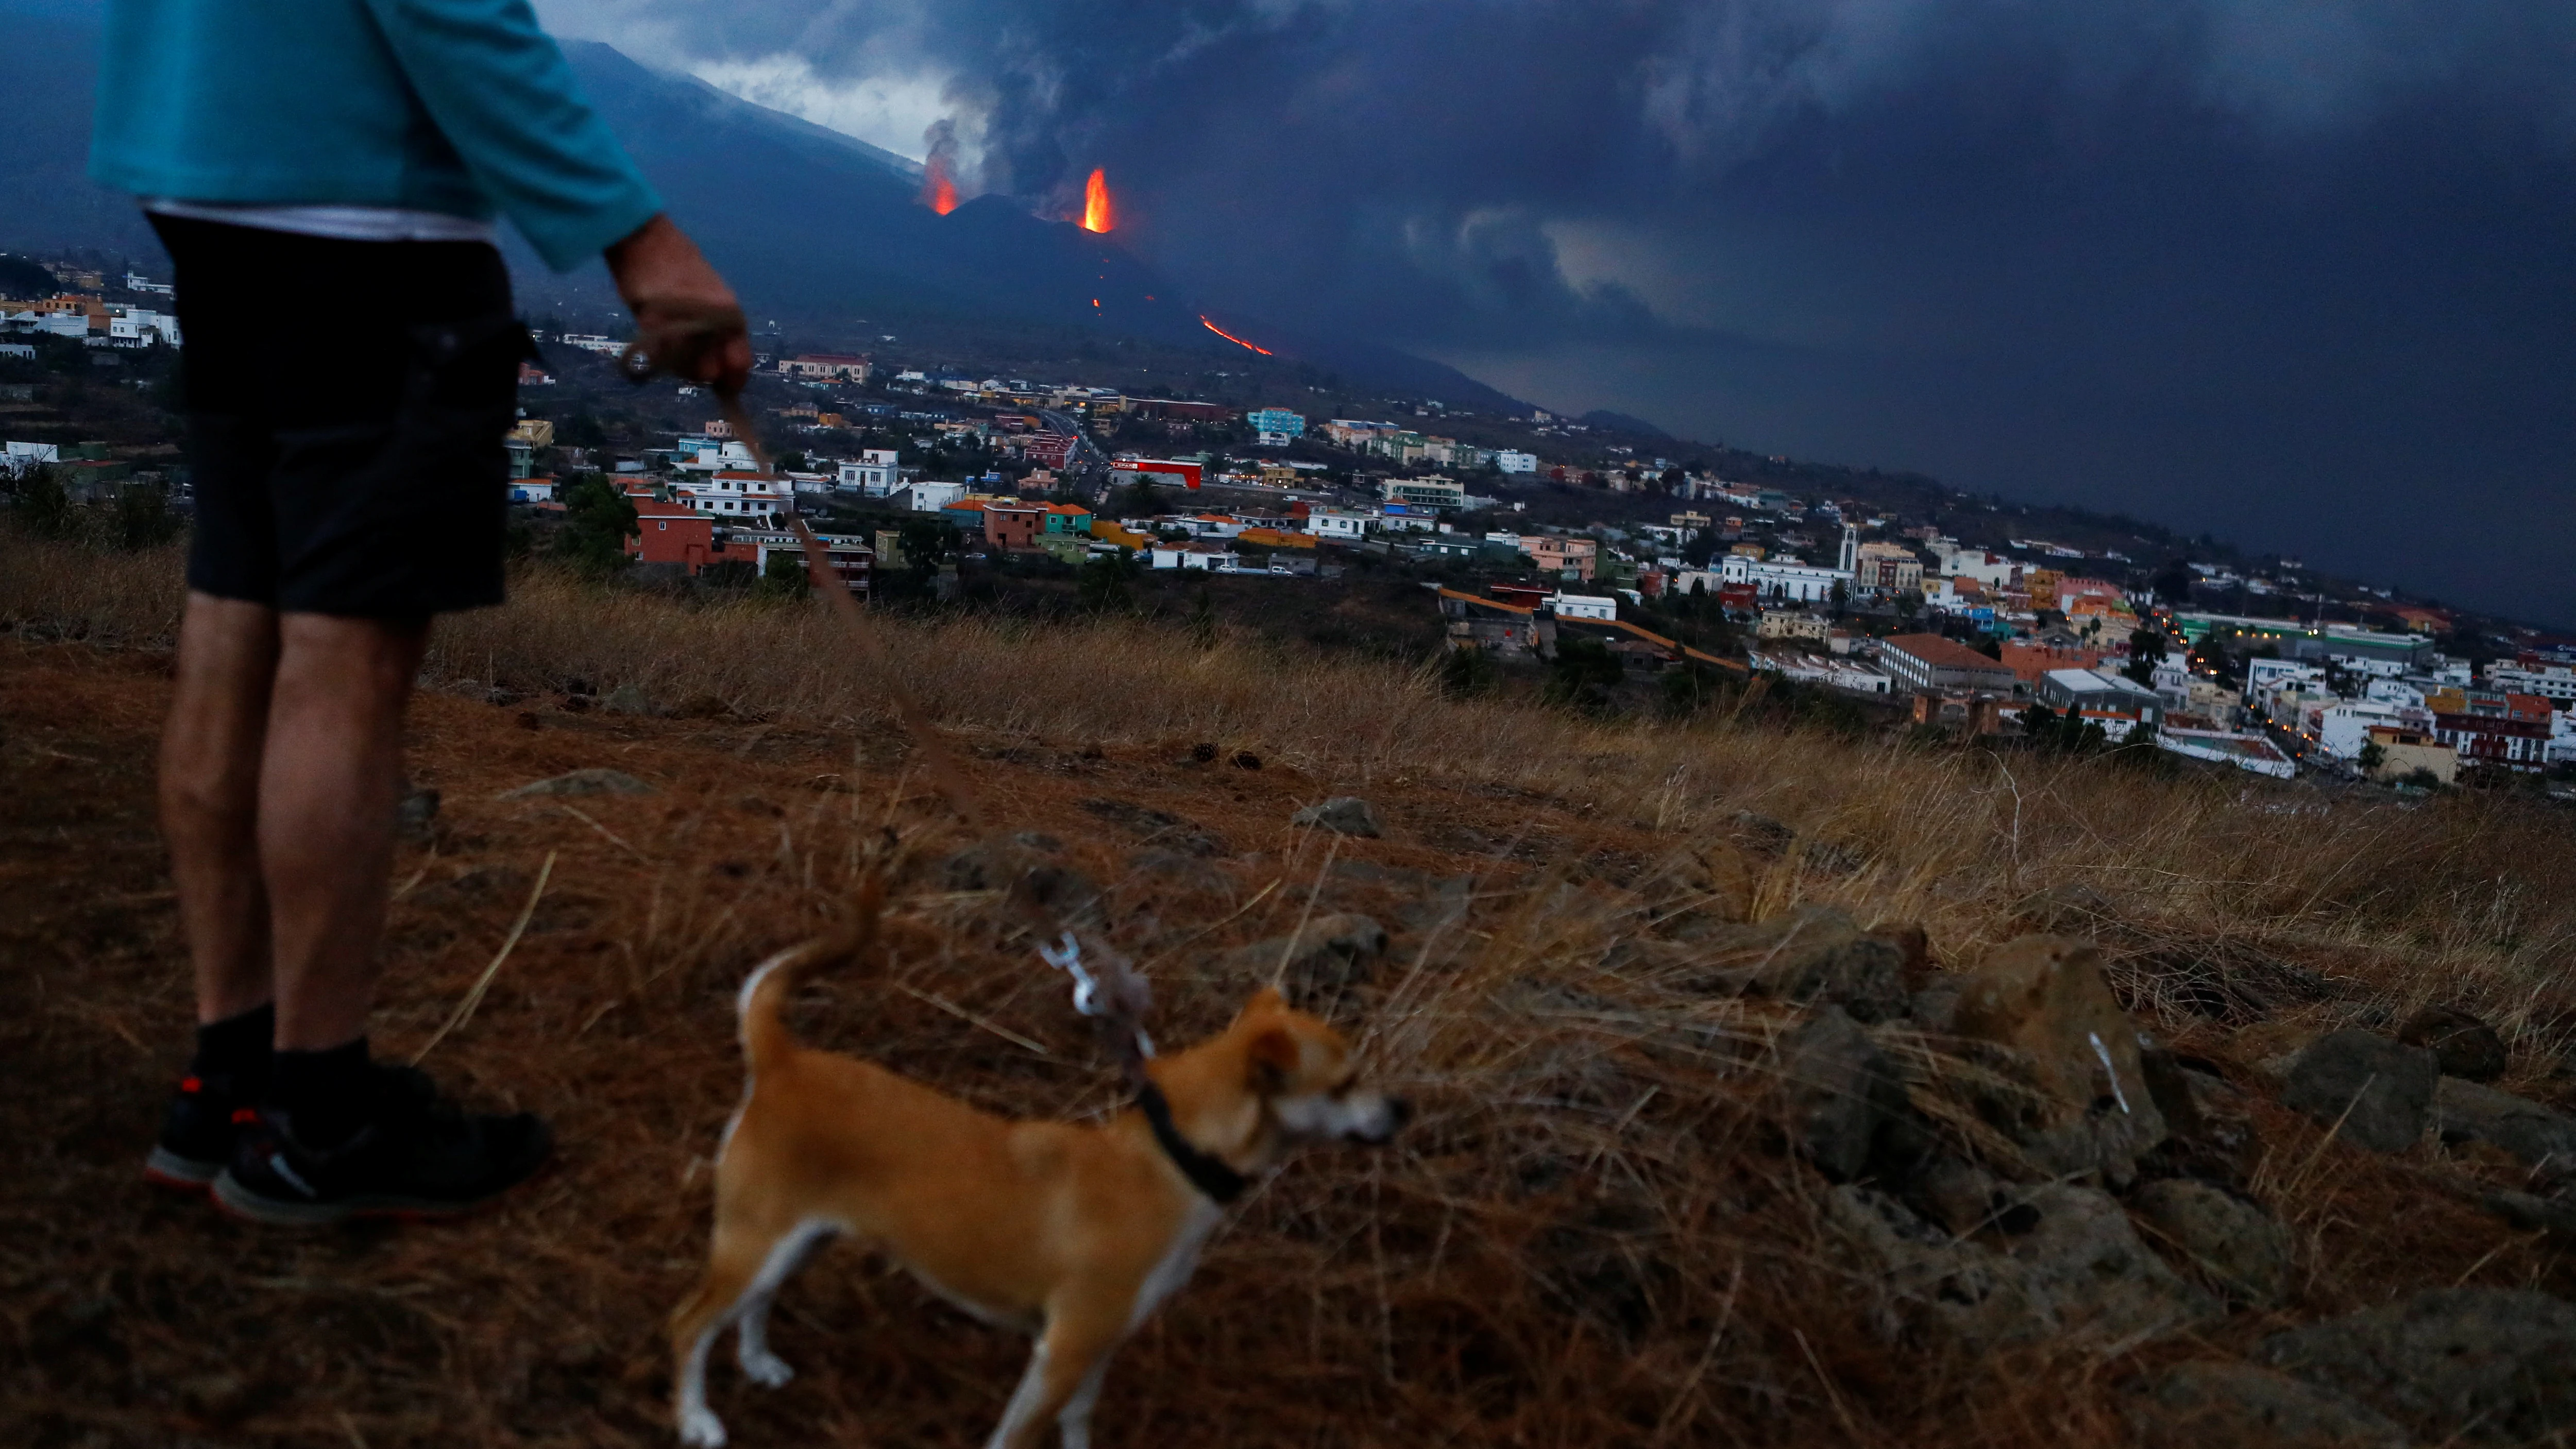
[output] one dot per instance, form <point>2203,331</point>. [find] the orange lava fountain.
<point>1096,212</point>
<point>937,191</point>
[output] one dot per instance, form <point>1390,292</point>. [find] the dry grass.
<point>1590,1239</point>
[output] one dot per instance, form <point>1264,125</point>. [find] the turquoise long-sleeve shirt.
<point>458,106</point>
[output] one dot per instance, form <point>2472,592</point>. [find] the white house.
<point>732,494</point>
<point>2345,728</point>
<point>1340,524</point>
<point>1784,578</point>
<point>1511,461</point>
<point>2265,679</point>
<point>712,455</point>
<point>2394,691</point>
<point>930,497</point>
<point>19,457</point>
<point>140,324</point>
<point>1195,554</point>
<point>873,475</point>
<point>1990,569</point>
<point>1584,606</point>
<point>2532,675</point>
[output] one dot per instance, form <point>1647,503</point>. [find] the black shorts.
<point>346,403</point>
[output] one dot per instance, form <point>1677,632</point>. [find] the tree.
<point>784,577</point>
<point>598,519</point>
<point>926,542</point>
<point>2172,583</point>
<point>1202,622</point>
<point>2146,651</point>
<point>2373,757</point>
<point>41,504</point>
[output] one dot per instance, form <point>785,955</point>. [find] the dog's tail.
<point>765,1038</point>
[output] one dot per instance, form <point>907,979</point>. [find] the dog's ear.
<point>1271,1057</point>
<point>1266,999</point>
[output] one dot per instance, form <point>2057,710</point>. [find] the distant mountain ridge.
<point>808,224</point>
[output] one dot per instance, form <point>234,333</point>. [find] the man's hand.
<point>686,318</point>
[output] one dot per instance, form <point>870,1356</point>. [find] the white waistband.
<point>340,223</point>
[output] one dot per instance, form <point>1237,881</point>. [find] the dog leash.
<point>1111,993</point>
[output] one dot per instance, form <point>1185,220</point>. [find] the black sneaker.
<point>421,1157</point>
<point>199,1131</point>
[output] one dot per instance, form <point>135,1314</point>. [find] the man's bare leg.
<point>337,1136</point>
<point>210,763</point>
<point>330,779</point>
<point>210,769</point>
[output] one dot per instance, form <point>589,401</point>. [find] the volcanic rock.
<point>2239,1406</point>
<point>2380,1091</point>
<point>2043,998</point>
<point>1814,953</point>
<point>2467,1112</point>
<point>2080,1271</point>
<point>2466,1047</point>
<point>2473,1365</point>
<point>2241,1248</point>
<point>1837,1091</point>
<point>1343,814</point>
<point>1158,827</point>
<point>415,817</point>
<point>593,781</point>
<point>629,699</point>
<point>2086,1259</point>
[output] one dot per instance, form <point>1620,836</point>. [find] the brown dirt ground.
<point>1500,1281</point>
<point>147,1318</point>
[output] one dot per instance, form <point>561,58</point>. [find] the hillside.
<point>1617,1219</point>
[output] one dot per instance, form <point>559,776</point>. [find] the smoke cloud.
<point>2268,269</point>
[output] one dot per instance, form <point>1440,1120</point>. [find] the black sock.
<point>326,1095</point>
<point>233,1052</point>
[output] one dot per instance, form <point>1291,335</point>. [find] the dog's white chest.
<point>1179,1261</point>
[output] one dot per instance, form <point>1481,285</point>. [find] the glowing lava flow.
<point>1230,337</point>
<point>937,191</point>
<point>1096,212</point>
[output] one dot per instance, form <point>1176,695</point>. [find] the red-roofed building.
<point>2028,659</point>
<point>1929,661</point>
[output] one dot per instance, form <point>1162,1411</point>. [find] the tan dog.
<point>1070,1233</point>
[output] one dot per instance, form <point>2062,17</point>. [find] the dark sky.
<point>2296,272</point>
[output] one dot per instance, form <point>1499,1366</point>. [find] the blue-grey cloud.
<point>2271,268</point>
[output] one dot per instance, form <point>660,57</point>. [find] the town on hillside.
<point>1601,556</point>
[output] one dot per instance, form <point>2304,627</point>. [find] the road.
<point>1086,458</point>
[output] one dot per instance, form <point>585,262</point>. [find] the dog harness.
<point>1206,1171</point>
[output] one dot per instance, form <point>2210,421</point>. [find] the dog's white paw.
<point>766,1369</point>
<point>701,1429</point>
